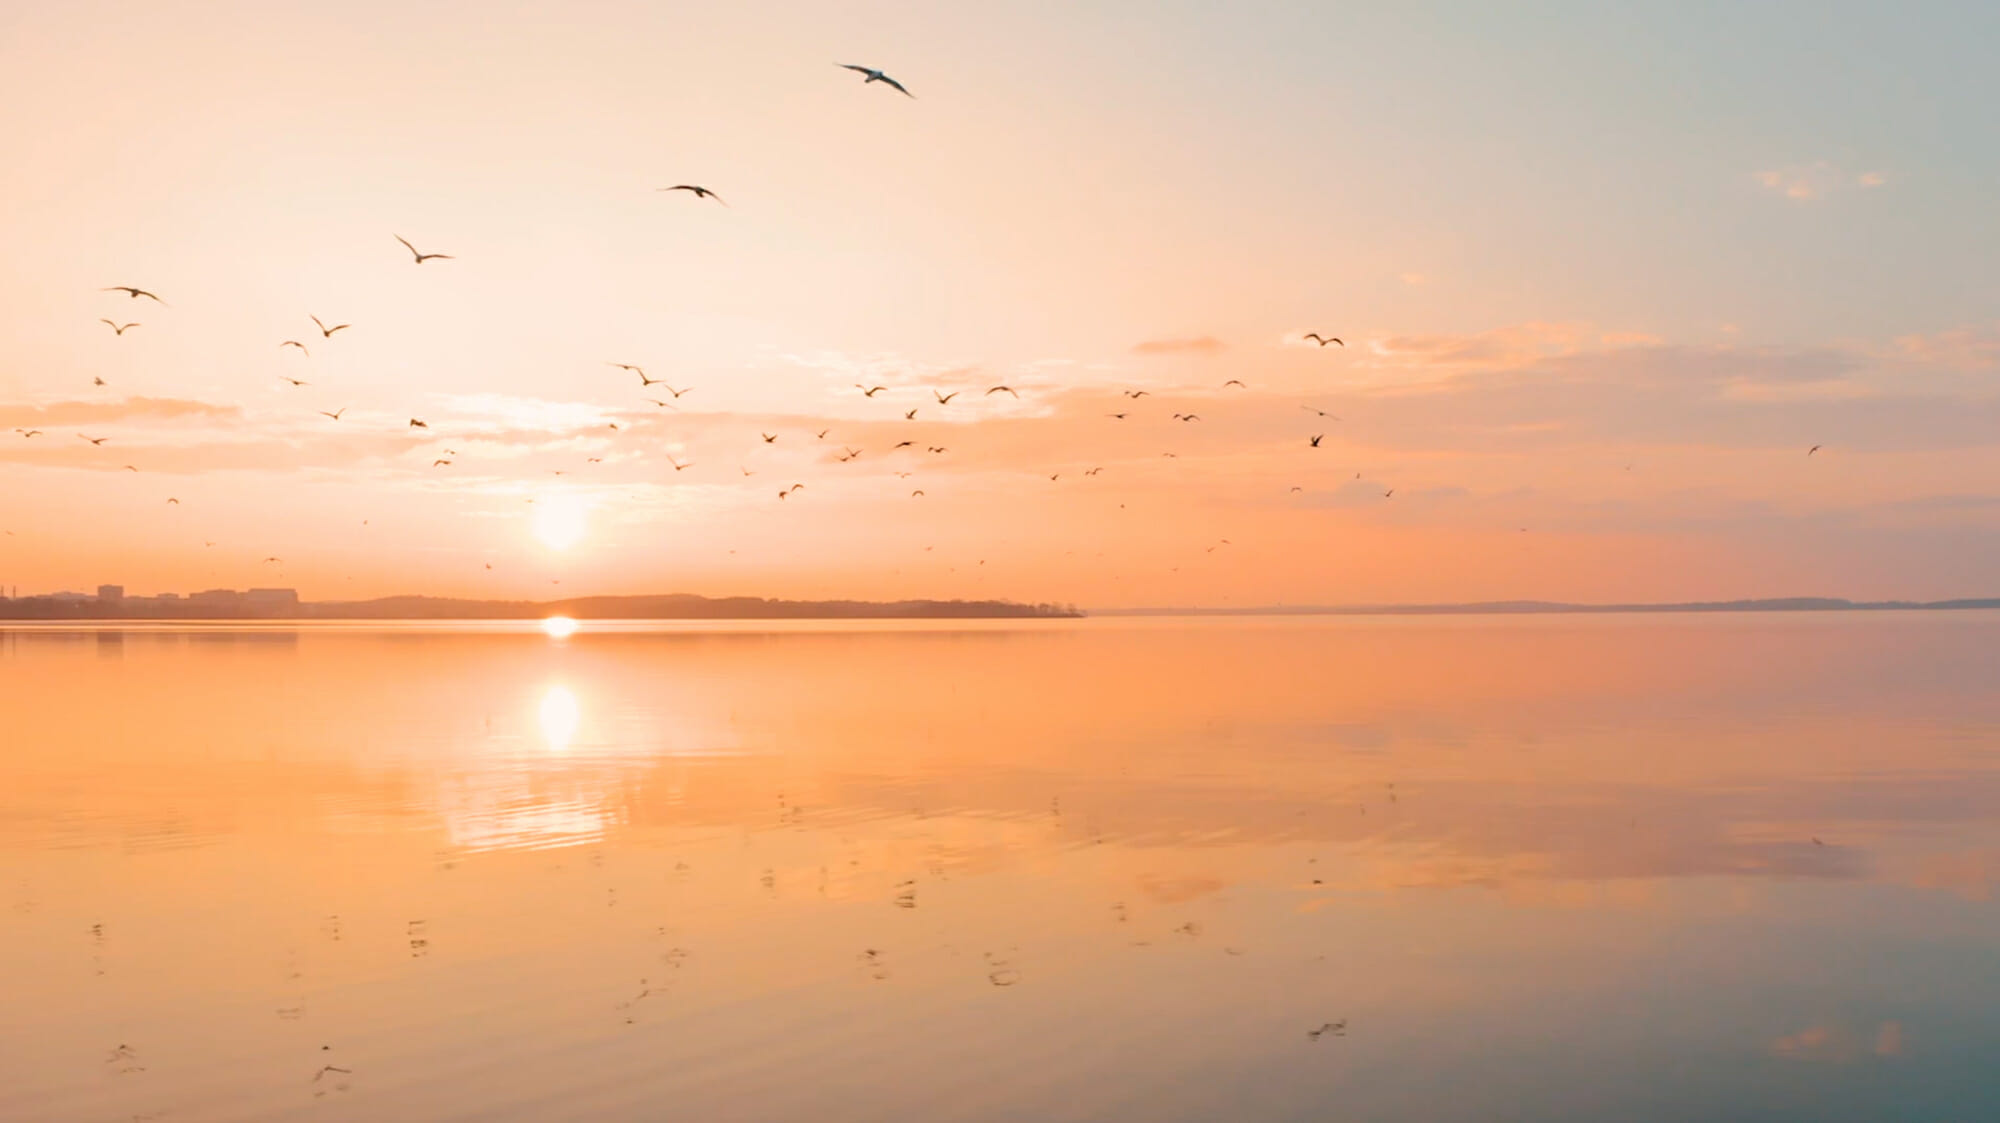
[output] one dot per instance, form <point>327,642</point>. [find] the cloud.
<point>125,409</point>
<point>1199,345</point>
<point>1815,180</point>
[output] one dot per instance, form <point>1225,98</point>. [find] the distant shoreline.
<point>668,607</point>
<point>1561,608</point>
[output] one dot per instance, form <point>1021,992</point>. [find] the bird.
<point>945,399</point>
<point>294,381</point>
<point>128,468</point>
<point>1317,438</point>
<point>327,332</point>
<point>678,466</point>
<point>94,440</point>
<point>134,293</point>
<point>1186,417</point>
<point>415,424</point>
<point>593,460</point>
<point>676,394</point>
<point>699,191</point>
<point>821,435</point>
<point>915,494</point>
<point>848,454</point>
<point>903,444</point>
<point>1135,395</point>
<point>274,560</point>
<point>1323,340</point>
<point>998,389</point>
<point>118,328</point>
<point>640,371</point>
<point>1055,477</point>
<point>1319,411</point>
<point>25,433</point>
<point>769,438</point>
<point>1236,382</point>
<point>1295,487</point>
<point>658,402</point>
<point>1092,471</point>
<point>335,415</point>
<point>868,392</point>
<point>876,76</point>
<point>1117,416</point>
<point>934,448</point>
<point>910,415</point>
<point>98,381</point>
<point>297,344</point>
<point>172,500</point>
<point>440,463</point>
<point>421,257</point>
<point>1812,450</point>
<point>1389,494</point>
<point>746,472</point>
<point>1817,842</point>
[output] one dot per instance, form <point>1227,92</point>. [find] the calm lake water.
<point>1550,868</point>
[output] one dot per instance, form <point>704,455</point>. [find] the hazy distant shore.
<point>672,607</point>
<point>1529,608</point>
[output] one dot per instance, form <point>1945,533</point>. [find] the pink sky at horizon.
<point>1587,353</point>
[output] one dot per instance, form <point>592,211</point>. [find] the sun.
<point>560,520</point>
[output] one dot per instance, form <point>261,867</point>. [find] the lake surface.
<point>1543,868</point>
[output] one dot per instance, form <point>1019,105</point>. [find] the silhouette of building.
<point>111,594</point>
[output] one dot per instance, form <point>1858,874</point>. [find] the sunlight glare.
<point>559,627</point>
<point>560,520</point>
<point>560,716</point>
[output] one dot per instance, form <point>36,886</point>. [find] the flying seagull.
<point>1117,416</point>
<point>440,463</point>
<point>910,415</point>
<point>1323,340</point>
<point>917,493</point>
<point>98,381</point>
<point>421,257</point>
<point>876,76</point>
<point>1186,417</point>
<point>294,381</point>
<point>945,399</point>
<point>173,501</point>
<point>769,438</point>
<point>869,392</point>
<point>676,393</point>
<point>998,389</point>
<point>297,344</point>
<point>1812,450</point>
<point>335,414</point>
<point>1236,382</point>
<point>678,466</point>
<point>128,468</point>
<point>94,440</point>
<point>1319,411</point>
<point>29,432</point>
<point>1317,439</point>
<point>415,424</point>
<point>327,332</point>
<point>1135,395</point>
<point>134,293</point>
<point>903,444</point>
<point>117,328</point>
<point>699,191</point>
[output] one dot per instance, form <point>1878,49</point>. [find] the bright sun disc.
<point>559,627</point>
<point>560,520</point>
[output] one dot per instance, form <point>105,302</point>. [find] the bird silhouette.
<point>910,415</point>
<point>1812,450</point>
<point>869,392</point>
<point>25,433</point>
<point>902,444</point>
<point>915,494</point>
<point>1317,438</point>
<point>294,381</point>
<point>874,75</point>
<point>421,257</point>
<point>1236,382</point>
<point>945,399</point>
<point>99,381</point>
<point>678,466</point>
<point>173,501</point>
<point>135,293</point>
<point>94,440</point>
<point>1323,340</point>
<point>698,191</point>
<point>769,438</point>
<point>327,332</point>
<point>415,424</point>
<point>1135,395</point>
<point>297,344</point>
<point>1117,416</point>
<point>821,435</point>
<point>440,463</point>
<point>117,328</point>
<point>1000,389</point>
<point>1319,411</point>
<point>335,415</point>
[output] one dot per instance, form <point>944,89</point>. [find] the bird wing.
<point>857,69</point>
<point>407,245</point>
<point>893,82</point>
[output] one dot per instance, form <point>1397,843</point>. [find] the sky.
<point>1602,278</point>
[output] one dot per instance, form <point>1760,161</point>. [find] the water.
<point>1553,868</point>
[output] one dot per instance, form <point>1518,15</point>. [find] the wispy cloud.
<point>1197,345</point>
<point>1816,180</point>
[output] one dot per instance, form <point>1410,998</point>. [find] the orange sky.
<point>1593,321</point>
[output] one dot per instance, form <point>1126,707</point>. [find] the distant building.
<point>216,598</point>
<point>273,600</point>
<point>66,595</point>
<point>111,594</point>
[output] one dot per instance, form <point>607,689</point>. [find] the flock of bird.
<point>649,386</point>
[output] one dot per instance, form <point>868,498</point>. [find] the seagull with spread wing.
<point>874,75</point>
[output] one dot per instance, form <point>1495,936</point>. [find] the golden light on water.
<point>560,520</point>
<point>560,716</point>
<point>559,627</point>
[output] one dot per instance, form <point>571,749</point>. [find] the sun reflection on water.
<point>560,716</point>
<point>559,627</point>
